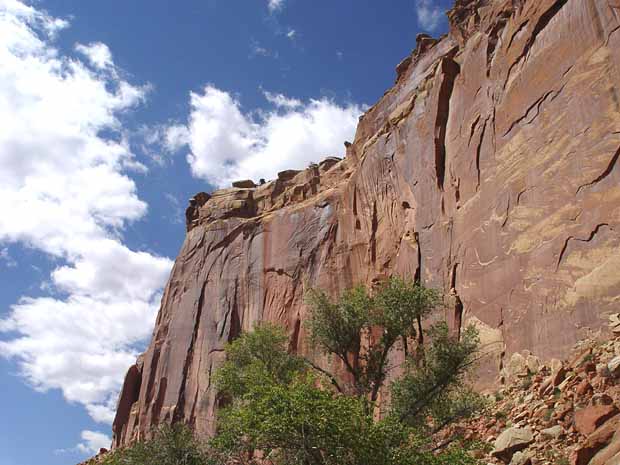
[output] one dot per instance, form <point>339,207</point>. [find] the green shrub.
<point>170,445</point>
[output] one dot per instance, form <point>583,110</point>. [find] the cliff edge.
<point>490,170</point>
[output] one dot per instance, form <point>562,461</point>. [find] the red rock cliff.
<point>490,168</point>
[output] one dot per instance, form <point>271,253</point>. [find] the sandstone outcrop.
<point>490,170</point>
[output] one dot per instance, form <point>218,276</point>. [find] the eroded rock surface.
<point>489,170</point>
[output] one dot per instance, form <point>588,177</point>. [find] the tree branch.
<point>429,394</point>
<point>326,373</point>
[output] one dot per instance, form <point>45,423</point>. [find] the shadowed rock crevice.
<point>479,152</point>
<point>458,303</point>
<point>159,403</point>
<point>594,232</point>
<point>449,70</point>
<point>610,167</point>
<point>541,24</point>
<point>373,234</point>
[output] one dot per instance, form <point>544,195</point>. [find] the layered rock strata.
<point>490,170</point>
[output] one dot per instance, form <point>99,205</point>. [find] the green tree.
<point>291,424</point>
<point>436,388</point>
<point>257,358</point>
<point>361,330</point>
<point>347,327</point>
<point>170,445</point>
<point>281,410</point>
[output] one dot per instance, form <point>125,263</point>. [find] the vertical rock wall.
<point>489,170</point>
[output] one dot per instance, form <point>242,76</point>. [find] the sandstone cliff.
<point>489,170</point>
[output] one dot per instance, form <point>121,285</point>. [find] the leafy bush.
<point>295,423</point>
<point>170,445</point>
<point>257,358</point>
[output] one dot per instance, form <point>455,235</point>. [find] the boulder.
<point>614,366</point>
<point>588,419</point>
<point>614,323</point>
<point>245,184</point>
<point>609,455</point>
<point>601,398</point>
<point>555,365</point>
<point>517,366</point>
<point>584,388</point>
<point>558,376</point>
<point>510,441</point>
<point>595,442</point>
<point>521,458</point>
<point>287,175</point>
<point>553,433</point>
<point>533,364</point>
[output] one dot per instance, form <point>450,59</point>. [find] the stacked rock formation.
<point>490,170</point>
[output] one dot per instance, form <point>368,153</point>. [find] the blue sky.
<point>112,115</point>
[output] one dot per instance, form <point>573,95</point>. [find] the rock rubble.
<point>545,416</point>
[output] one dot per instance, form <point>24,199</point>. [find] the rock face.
<point>490,170</point>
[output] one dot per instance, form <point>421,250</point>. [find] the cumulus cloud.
<point>65,190</point>
<point>227,143</point>
<point>429,14</point>
<point>93,441</point>
<point>175,137</point>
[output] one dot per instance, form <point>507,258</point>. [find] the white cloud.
<point>275,5</point>
<point>64,190</point>
<point>175,137</point>
<point>429,14</point>
<point>93,441</point>
<point>227,144</point>
<point>97,53</point>
<point>159,141</point>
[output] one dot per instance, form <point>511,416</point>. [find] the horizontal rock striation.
<point>490,170</point>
